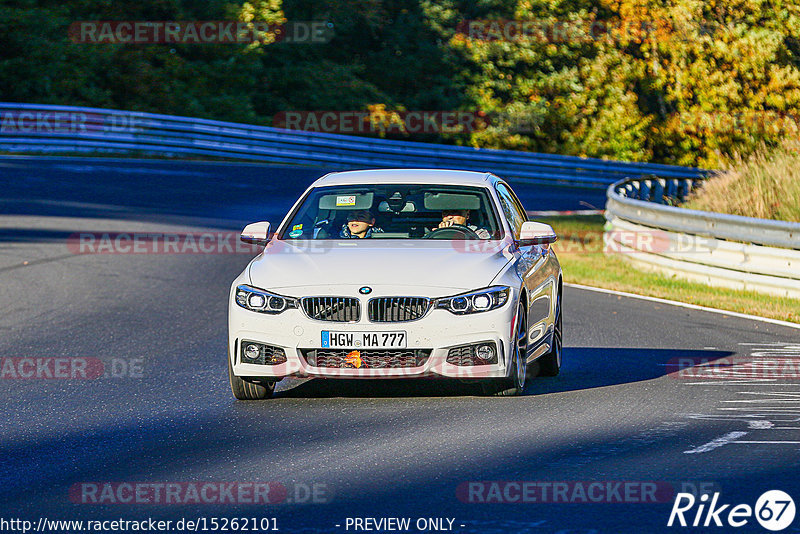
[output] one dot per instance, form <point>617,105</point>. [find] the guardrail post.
<point>645,190</point>
<point>672,190</point>
<point>658,191</point>
<point>688,185</point>
<point>681,191</point>
<point>637,191</point>
<point>629,190</point>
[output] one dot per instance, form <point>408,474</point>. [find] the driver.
<point>360,224</point>
<point>451,217</point>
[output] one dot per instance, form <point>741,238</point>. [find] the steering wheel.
<point>454,231</point>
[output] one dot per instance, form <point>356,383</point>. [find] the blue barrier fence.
<point>49,129</point>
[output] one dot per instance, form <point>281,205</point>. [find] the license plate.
<point>363,340</point>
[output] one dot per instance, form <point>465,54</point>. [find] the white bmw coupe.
<point>398,273</point>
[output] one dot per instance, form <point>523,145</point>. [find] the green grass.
<point>580,251</point>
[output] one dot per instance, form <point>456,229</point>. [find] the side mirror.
<point>256,233</point>
<point>535,233</point>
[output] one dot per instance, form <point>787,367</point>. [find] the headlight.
<point>482,300</point>
<point>261,301</point>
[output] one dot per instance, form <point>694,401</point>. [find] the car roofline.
<point>406,176</point>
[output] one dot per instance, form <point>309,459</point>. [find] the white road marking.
<point>770,442</point>
<point>748,382</point>
<point>752,424</point>
<point>775,393</point>
<point>769,409</point>
<point>760,425</point>
<point>761,410</point>
<point>768,353</point>
<point>685,305</point>
<point>728,417</point>
<point>716,443</point>
<point>757,411</point>
<point>762,344</point>
<point>754,401</point>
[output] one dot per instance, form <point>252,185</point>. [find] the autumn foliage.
<point>678,81</point>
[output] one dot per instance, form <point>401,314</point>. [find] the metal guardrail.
<point>94,130</point>
<point>717,249</point>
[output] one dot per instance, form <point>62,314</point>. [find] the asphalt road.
<point>219,195</point>
<point>161,410</point>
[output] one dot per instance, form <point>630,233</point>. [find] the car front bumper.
<point>434,334</point>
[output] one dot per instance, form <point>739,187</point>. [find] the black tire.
<point>550,363</point>
<point>515,384</point>
<point>244,390</point>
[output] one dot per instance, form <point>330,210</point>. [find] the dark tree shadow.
<point>583,368</point>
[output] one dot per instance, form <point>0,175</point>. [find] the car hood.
<point>450,265</point>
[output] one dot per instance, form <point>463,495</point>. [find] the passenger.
<point>451,217</point>
<point>360,224</point>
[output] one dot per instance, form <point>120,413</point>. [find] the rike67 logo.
<point>774,510</point>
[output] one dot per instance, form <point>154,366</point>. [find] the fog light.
<point>484,352</point>
<point>481,302</point>
<point>256,301</point>
<point>252,351</point>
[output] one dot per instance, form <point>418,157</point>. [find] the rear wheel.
<point>244,390</point>
<point>515,383</point>
<point>550,363</point>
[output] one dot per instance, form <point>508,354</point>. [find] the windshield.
<point>395,211</point>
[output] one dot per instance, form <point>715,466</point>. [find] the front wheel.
<point>550,363</point>
<point>515,383</point>
<point>244,390</point>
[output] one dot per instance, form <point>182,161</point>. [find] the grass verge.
<point>765,185</point>
<point>580,251</point>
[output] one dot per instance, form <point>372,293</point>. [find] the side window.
<point>511,208</point>
<point>517,203</point>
